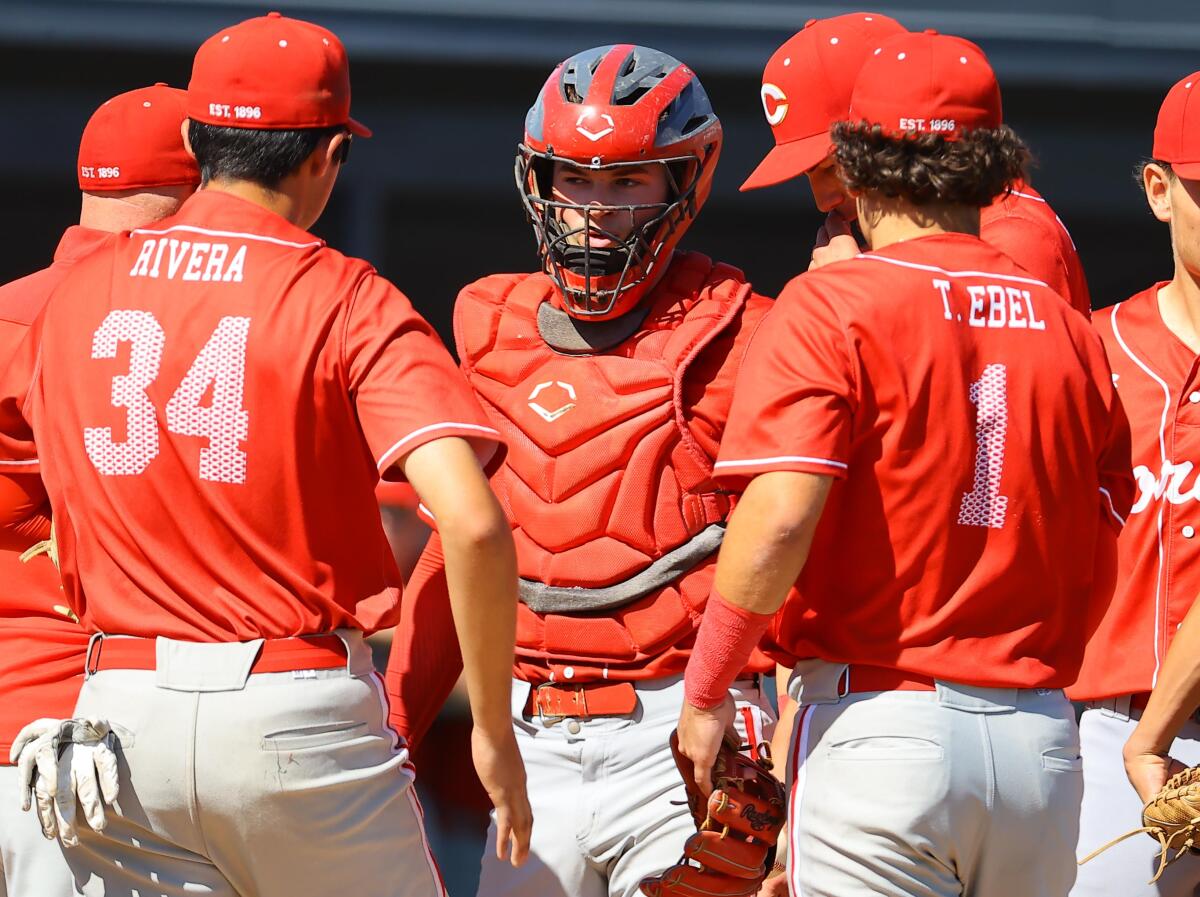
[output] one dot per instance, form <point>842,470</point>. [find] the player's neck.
<point>284,203</point>
<point>1179,305</point>
<point>887,220</point>
<point>126,210</point>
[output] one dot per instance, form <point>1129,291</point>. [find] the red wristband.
<point>724,643</point>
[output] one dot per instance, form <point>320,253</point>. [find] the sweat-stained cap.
<point>806,87</point>
<point>927,83</point>
<point>1177,134</point>
<point>133,141</point>
<point>272,73</point>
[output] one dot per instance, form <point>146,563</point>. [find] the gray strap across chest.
<point>544,599</point>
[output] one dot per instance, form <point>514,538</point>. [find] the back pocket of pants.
<point>322,735</point>
<point>1062,759</point>
<point>886,747</point>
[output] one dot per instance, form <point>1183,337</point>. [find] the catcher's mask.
<point>604,109</point>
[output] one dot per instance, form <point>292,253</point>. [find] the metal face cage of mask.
<point>605,273</point>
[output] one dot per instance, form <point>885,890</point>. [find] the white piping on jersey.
<point>782,459</point>
<point>447,425</point>
<point>29,462</point>
<point>1026,196</point>
<point>228,233</point>
<point>799,774</point>
<point>1111,507</point>
<point>1162,450</point>
<point>936,270</point>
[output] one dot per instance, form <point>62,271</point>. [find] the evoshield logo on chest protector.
<point>558,394</point>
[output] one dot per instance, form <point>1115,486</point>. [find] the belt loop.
<point>95,639</point>
<point>1123,706</point>
<point>346,644</point>
<point>844,691</point>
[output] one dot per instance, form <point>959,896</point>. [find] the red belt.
<point>280,655</point>
<point>557,701</point>
<point>862,678</point>
<point>1139,700</point>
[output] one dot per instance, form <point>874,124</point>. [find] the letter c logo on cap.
<point>771,93</point>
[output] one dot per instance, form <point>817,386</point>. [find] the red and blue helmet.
<point>607,107</point>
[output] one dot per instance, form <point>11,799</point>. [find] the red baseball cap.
<point>272,73</point>
<point>1177,134</point>
<point>806,87</point>
<point>928,82</point>
<point>133,141</point>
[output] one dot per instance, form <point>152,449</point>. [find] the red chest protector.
<point>611,497</point>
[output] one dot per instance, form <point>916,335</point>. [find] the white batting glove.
<point>61,762</point>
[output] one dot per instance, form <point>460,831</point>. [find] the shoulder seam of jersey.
<point>936,269</point>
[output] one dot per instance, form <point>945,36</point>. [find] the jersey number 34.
<point>221,364</point>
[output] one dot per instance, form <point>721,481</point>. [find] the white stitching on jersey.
<point>1027,196</point>
<point>385,459</point>
<point>228,233</point>
<point>782,459</point>
<point>1111,507</point>
<point>27,463</point>
<point>1162,448</point>
<point>937,270</point>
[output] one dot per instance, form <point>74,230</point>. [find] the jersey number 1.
<point>224,422</point>
<point>984,505</point>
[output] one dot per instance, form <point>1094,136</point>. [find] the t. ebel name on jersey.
<point>190,260</point>
<point>991,305</point>
<point>1170,484</point>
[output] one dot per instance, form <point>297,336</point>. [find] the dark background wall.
<point>445,85</point>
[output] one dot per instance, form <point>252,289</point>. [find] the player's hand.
<point>835,242</point>
<point>774,885</point>
<point>500,768</point>
<point>1147,770</point>
<point>61,763</point>
<point>700,736</point>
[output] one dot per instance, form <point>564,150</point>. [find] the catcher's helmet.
<point>604,108</point>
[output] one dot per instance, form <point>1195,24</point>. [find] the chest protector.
<point>611,497</point>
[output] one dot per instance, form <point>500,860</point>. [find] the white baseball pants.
<point>609,806</point>
<point>264,785</point>
<point>29,864</point>
<point>958,792</point>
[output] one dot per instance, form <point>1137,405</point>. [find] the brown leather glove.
<point>737,827</point>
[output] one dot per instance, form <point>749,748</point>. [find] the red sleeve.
<point>1033,246</point>
<point>708,388</point>
<point>19,347</point>
<point>425,662</point>
<point>796,395</point>
<point>407,390</point>
<point>24,512</point>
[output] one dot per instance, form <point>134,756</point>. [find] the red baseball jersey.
<point>1158,571</point>
<point>1022,225</point>
<point>217,396</point>
<point>41,647</point>
<point>981,458</point>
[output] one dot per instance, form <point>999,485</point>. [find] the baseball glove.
<point>737,827</point>
<point>1171,817</point>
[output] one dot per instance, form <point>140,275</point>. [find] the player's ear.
<point>1157,183</point>
<point>184,129</point>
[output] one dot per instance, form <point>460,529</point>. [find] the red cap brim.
<point>1189,171</point>
<point>357,128</point>
<point>789,160</point>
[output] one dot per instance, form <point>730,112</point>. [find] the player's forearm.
<point>768,539</point>
<point>1176,694</point>
<point>481,573</point>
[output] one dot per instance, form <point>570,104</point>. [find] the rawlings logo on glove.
<point>738,825</point>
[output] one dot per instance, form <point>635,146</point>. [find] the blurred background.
<point>445,85</point>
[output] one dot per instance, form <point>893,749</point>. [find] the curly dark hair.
<point>926,168</point>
